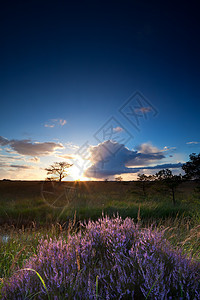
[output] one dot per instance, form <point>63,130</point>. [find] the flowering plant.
<point>111,258</point>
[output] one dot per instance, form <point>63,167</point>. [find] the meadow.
<point>31,212</point>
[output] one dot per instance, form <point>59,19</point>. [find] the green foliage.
<point>143,181</point>
<point>181,232</point>
<point>21,205</point>
<point>170,180</point>
<point>192,167</point>
<point>22,202</point>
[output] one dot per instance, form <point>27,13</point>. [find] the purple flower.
<point>130,262</point>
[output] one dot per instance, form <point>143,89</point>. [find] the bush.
<point>110,259</point>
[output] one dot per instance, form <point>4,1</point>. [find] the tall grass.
<point>109,258</point>
<point>26,218</point>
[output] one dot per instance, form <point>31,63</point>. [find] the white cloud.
<point>55,122</point>
<point>193,143</point>
<point>71,146</point>
<point>8,158</point>
<point>146,154</point>
<point>67,156</point>
<point>49,125</point>
<point>166,148</point>
<point>118,129</point>
<point>62,122</point>
<point>34,159</point>
<point>106,162</point>
<point>147,148</point>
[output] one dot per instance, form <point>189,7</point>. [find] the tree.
<point>118,179</point>
<point>144,179</point>
<point>170,180</point>
<point>58,169</point>
<point>192,167</point>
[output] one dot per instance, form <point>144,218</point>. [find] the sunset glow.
<point>101,86</point>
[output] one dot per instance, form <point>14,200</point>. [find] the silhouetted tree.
<point>192,167</point>
<point>59,170</point>
<point>144,180</point>
<point>170,180</point>
<point>118,179</point>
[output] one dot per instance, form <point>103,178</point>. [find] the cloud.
<point>27,147</point>
<point>118,129</point>
<point>49,125</point>
<point>8,158</point>
<point>62,122</point>
<point>165,166</point>
<point>7,165</point>
<point>71,146</point>
<point>34,160</point>
<point>104,163</point>
<point>21,167</point>
<point>3,141</point>
<point>146,154</point>
<point>193,143</point>
<point>166,148</point>
<point>4,164</point>
<point>53,122</point>
<point>147,148</point>
<point>143,110</point>
<point>67,156</point>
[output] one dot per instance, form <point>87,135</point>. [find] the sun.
<point>76,174</point>
<point>79,167</point>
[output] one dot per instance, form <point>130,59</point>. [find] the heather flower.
<point>130,262</point>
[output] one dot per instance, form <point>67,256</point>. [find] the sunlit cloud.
<point>105,163</point>
<point>8,158</point>
<point>21,167</point>
<point>193,143</point>
<point>67,156</point>
<point>147,148</point>
<point>49,125</point>
<point>143,110</point>
<point>71,146</point>
<point>166,148</point>
<point>55,122</point>
<point>62,122</point>
<point>27,147</point>
<point>34,160</point>
<point>4,164</point>
<point>118,129</point>
<point>15,166</point>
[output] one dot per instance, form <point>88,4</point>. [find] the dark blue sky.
<point>81,61</point>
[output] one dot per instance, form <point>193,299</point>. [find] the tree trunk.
<point>144,189</point>
<point>60,178</point>
<point>173,196</point>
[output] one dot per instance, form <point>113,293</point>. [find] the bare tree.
<point>59,170</point>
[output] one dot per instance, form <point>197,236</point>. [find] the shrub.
<point>110,259</point>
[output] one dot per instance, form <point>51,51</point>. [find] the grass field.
<point>32,210</point>
<point>22,203</point>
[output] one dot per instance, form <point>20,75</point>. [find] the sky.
<point>111,87</point>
